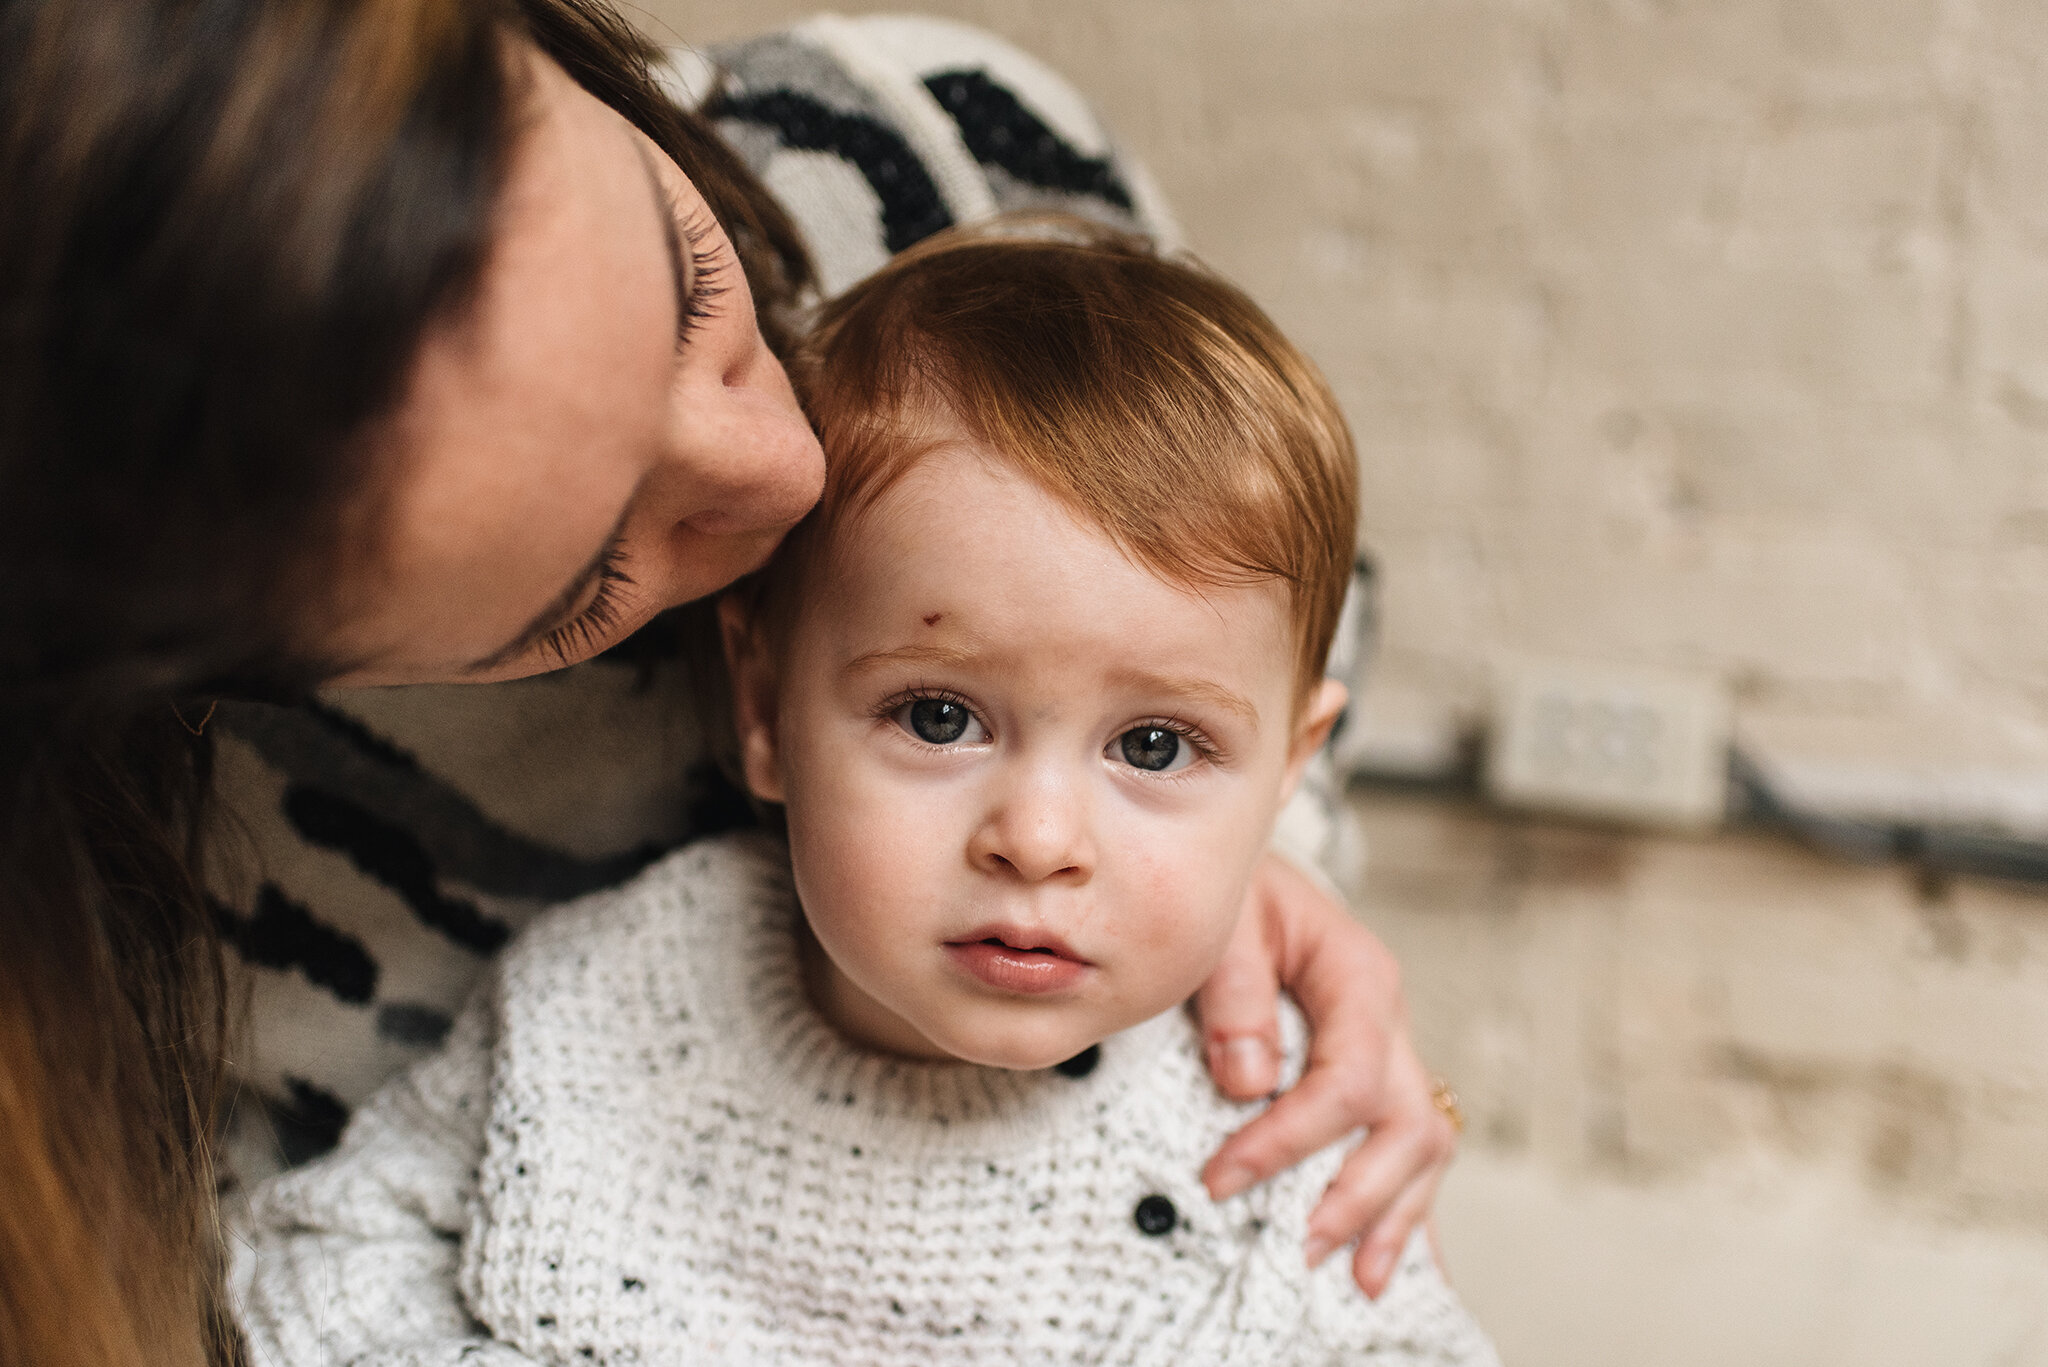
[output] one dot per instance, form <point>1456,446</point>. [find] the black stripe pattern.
<point>331,750</point>
<point>391,855</point>
<point>1001,132</point>
<point>413,1023</point>
<point>307,1122</point>
<point>911,207</point>
<point>282,934</point>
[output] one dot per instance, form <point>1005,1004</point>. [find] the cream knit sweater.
<point>641,1145</point>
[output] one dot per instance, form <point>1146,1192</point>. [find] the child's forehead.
<point>962,544</point>
<point>947,490</point>
<point>949,495</point>
<point>1201,507</point>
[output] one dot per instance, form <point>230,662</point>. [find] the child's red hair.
<point>1156,401</point>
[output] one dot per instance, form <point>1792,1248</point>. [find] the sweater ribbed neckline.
<point>808,1075</point>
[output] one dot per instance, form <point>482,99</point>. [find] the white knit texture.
<point>652,1150</point>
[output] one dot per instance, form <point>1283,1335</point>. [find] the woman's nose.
<point>1038,828</point>
<point>742,457</point>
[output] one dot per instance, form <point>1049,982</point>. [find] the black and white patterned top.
<point>385,843</point>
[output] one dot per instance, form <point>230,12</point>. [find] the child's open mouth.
<point>1017,961</point>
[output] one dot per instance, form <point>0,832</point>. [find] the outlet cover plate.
<point>1631,745</point>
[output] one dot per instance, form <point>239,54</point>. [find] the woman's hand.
<point>1362,1070</point>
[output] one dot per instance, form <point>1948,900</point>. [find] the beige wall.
<point>1710,334</point>
<point>1730,1102</point>
<point>1703,333</point>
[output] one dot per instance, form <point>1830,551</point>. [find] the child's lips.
<point>1017,961</point>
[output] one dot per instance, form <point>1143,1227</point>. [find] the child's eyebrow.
<point>953,656</point>
<point>1195,690</point>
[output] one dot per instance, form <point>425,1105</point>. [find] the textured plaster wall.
<point>1708,334</point>
<point>1729,1101</point>
<point>1656,1008</point>
<point>1703,333</point>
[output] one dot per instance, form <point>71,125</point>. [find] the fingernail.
<point>1230,1179</point>
<point>1381,1269</point>
<point>1318,1248</point>
<point>1245,1060</point>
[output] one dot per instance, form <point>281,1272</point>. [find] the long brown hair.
<point>227,226</point>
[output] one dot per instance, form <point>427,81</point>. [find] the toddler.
<point>1029,687</point>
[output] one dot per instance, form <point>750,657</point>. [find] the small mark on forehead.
<point>931,619</point>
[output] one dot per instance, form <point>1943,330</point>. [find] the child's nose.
<point>1038,829</point>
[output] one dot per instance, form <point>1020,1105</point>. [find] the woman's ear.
<point>1325,704</point>
<point>748,666</point>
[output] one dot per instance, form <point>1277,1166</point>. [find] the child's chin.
<point>1018,1055</point>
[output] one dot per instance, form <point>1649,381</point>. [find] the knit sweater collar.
<point>805,1072</point>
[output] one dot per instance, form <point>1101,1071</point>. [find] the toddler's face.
<point>1026,780</point>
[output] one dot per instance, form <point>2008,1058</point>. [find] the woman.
<point>349,342</point>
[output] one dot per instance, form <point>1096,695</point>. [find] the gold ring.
<point>1445,1099</point>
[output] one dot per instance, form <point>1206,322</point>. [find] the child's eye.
<point>940,721</point>
<point>1156,749</point>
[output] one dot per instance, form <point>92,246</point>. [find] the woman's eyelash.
<point>707,269</point>
<point>577,637</point>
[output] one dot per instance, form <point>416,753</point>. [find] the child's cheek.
<point>875,833</point>
<point>1181,904</point>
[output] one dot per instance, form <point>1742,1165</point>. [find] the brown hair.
<point>227,227</point>
<point>1152,398</point>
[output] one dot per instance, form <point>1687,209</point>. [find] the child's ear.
<point>752,674</point>
<point>1325,704</point>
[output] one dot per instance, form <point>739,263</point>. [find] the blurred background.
<point>1698,356</point>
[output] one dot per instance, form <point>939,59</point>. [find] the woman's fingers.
<point>1362,1073</point>
<point>1372,1266</point>
<point>1238,1009</point>
<point>1326,1105</point>
<point>1349,990</point>
<point>1372,1199</point>
<point>1383,1190</point>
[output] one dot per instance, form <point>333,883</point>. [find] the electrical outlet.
<point>1625,744</point>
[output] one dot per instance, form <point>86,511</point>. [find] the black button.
<point>1156,1216</point>
<point>1081,1064</point>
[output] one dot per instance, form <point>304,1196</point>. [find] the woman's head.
<point>342,334</point>
<point>337,337</point>
<point>601,434</point>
